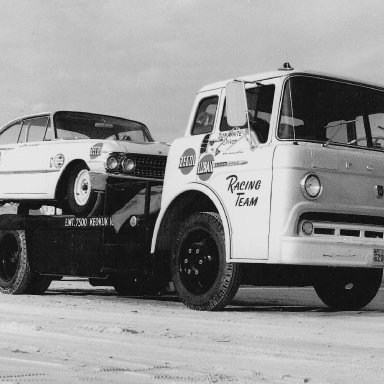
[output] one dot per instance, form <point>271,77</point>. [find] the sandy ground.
<point>77,334</point>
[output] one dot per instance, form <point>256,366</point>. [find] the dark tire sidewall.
<point>19,282</point>
<point>214,298</point>
<point>330,287</point>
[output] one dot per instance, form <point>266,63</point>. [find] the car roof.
<point>287,73</point>
<point>60,111</point>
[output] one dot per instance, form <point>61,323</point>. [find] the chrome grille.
<point>148,166</point>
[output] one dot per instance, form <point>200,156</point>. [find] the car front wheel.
<point>81,200</point>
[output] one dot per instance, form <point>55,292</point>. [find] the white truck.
<point>279,180</point>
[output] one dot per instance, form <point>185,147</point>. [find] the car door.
<point>26,165</point>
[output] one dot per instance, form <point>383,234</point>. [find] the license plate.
<point>378,257</point>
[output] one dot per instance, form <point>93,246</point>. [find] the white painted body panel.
<point>27,170</point>
<point>268,231</point>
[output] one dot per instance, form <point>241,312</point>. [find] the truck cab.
<point>290,164</point>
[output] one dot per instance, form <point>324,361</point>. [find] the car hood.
<point>155,148</point>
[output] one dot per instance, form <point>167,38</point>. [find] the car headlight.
<point>311,186</point>
<point>112,163</point>
<point>128,165</point>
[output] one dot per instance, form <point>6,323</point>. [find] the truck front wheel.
<point>348,288</point>
<point>201,276</point>
<point>16,276</point>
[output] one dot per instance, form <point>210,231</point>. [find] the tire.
<point>348,288</point>
<point>16,276</point>
<point>81,200</point>
<point>202,278</point>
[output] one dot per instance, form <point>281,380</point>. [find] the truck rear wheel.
<point>201,276</point>
<point>348,288</point>
<point>16,276</point>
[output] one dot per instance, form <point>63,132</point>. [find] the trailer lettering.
<point>69,221</point>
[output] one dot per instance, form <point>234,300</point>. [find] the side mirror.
<point>236,104</point>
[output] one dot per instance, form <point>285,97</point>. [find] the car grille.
<point>147,166</point>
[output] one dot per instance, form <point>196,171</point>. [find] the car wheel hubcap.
<point>82,187</point>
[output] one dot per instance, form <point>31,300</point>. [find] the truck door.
<point>240,171</point>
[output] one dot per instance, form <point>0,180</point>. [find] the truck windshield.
<point>81,125</point>
<point>331,111</point>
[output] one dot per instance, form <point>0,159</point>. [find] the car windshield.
<point>80,125</point>
<point>332,111</point>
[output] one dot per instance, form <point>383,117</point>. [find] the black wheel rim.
<point>9,258</point>
<point>198,262</point>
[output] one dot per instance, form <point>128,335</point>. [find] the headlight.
<point>128,165</point>
<point>311,186</point>
<point>112,163</point>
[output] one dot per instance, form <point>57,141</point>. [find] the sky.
<point>145,59</point>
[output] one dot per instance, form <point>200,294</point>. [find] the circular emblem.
<point>95,150</point>
<point>187,161</point>
<point>205,167</point>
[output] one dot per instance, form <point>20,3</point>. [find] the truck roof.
<point>287,73</point>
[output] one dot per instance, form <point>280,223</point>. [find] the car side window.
<point>205,116</point>
<point>10,135</point>
<point>37,128</point>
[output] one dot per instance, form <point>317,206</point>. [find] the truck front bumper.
<point>326,251</point>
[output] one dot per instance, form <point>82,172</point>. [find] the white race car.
<point>45,158</point>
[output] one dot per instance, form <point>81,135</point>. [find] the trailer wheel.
<point>201,276</point>
<point>348,288</point>
<point>16,276</point>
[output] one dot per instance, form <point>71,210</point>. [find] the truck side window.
<point>205,116</point>
<point>260,101</point>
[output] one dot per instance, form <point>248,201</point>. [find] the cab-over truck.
<point>279,180</point>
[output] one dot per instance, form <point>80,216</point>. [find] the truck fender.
<point>206,194</point>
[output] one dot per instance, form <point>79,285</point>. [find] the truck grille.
<point>346,230</point>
